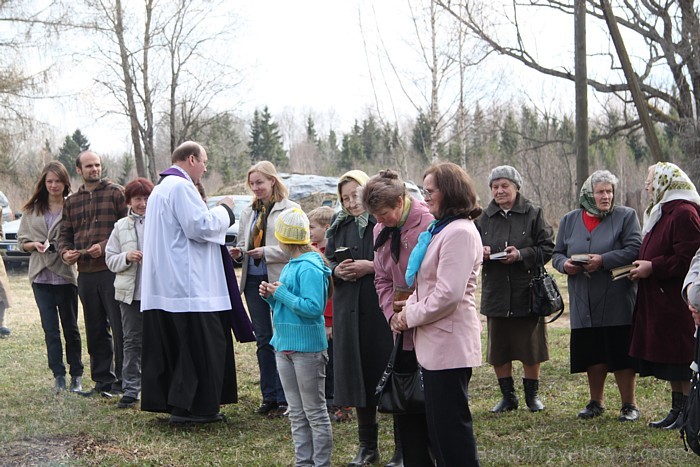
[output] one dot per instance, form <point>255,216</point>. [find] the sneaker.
<point>126,402</point>
<point>592,409</point>
<point>266,407</point>
<point>628,413</point>
<point>341,414</point>
<point>5,332</point>
<point>282,410</point>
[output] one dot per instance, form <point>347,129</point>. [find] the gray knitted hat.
<point>506,171</point>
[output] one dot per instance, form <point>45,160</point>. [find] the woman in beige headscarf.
<point>662,331</point>
<point>361,336</point>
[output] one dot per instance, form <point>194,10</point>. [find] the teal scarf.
<point>424,239</point>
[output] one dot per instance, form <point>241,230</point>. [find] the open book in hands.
<point>622,271</point>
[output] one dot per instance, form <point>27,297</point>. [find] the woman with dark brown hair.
<point>442,311</point>
<point>54,282</point>
<point>400,220</point>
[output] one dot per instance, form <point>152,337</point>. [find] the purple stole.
<point>240,322</point>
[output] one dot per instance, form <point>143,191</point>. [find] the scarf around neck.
<point>424,239</point>
<point>260,227</point>
<point>394,232</point>
<point>587,200</point>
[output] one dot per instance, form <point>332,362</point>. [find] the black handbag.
<point>690,430</point>
<point>545,298</point>
<point>400,393</point>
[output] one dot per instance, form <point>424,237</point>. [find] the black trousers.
<point>412,428</point>
<point>103,328</point>
<point>450,426</point>
<point>58,308</point>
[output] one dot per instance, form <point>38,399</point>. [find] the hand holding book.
<point>621,271</point>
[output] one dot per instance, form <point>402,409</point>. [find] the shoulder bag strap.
<point>398,343</point>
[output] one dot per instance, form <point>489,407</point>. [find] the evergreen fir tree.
<point>265,140</point>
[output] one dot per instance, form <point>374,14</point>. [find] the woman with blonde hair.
<point>55,283</point>
<point>259,252</point>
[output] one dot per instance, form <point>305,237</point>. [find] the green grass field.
<point>38,427</point>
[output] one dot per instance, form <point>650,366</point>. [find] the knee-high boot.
<point>397,458</point>
<point>368,452</point>
<point>509,400</point>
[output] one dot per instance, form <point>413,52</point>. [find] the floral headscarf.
<point>587,198</point>
<point>361,178</point>
<point>669,183</point>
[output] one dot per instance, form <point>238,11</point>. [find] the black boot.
<point>369,452</point>
<point>678,423</point>
<point>533,402</point>
<point>397,458</point>
<point>509,400</point>
<point>676,407</point>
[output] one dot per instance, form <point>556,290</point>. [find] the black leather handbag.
<point>545,298</point>
<point>400,393</point>
<point>690,431</point>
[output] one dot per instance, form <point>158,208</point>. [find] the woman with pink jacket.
<point>400,220</point>
<point>442,311</point>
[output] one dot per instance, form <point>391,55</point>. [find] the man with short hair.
<point>88,219</point>
<point>187,363</point>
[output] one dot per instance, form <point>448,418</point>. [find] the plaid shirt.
<point>88,218</point>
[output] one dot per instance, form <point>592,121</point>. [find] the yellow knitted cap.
<point>292,227</point>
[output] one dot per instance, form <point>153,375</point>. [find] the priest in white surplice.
<point>184,294</point>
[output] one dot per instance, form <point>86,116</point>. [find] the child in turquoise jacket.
<point>298,300</point>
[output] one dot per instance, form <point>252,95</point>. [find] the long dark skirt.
<point>187,362</point>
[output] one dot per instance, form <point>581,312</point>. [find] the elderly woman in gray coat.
<point>608,236</point>
<point>513,226</point>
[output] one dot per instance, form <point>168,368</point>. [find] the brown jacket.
<point>88,218</point>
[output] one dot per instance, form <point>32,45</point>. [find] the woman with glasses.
<point>516,238</point>
<point>362,340</point>
<point>442,311</point>
<point>663,330</point>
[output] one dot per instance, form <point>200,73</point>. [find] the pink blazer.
<point>387,273</point>
<point>442,310</point>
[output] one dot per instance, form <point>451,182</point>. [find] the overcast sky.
<point>313,57</point>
